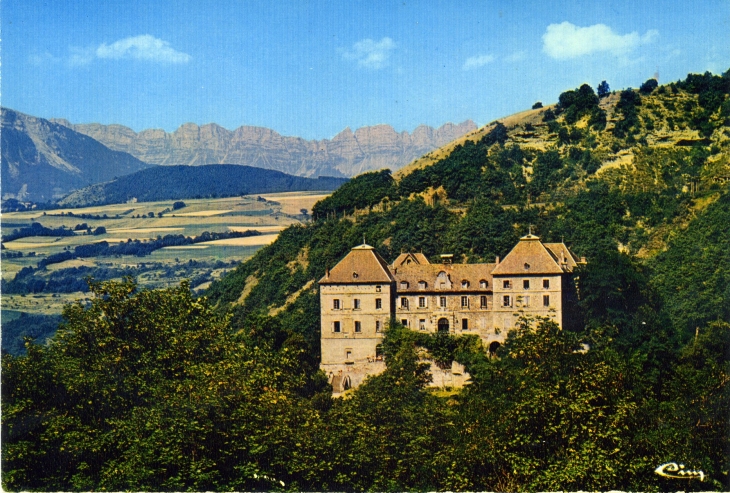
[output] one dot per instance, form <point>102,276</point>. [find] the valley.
<point>46,290</point>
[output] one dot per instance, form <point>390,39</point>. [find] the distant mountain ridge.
<point>42,160</point>
<point>347,154</point>
<point>186,182</point>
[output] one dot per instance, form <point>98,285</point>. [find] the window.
<point>525,301</point>
<point>378,288</point>
<point>464,324</point>
<point>527,266</point>
<point>335,326</point>
<point>354,275</point>
<point>483,284</point>
<point>348,355</point>
<point>358,326</point>
<point>356,304</point>
<point>442,301</point>
<point>464,284</point>
<point>377,326</point>
<point>482,301</point>
<point>546,283</point>
<point>546,300</point>
<point>465,302</point>
<point>403,285</point>
<point>525,284</point>
<point>507,284</point>
<point>335,304</point>
<point>506,301</point>
<point>422,324</point>
<point>404,322</point>
<point>404,303</point>
<point>422,284</point>
<point>421,302</point>
<point>378,303</point>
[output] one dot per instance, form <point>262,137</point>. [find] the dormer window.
<point>464,284</point>
<point>354,275</point>
<point>527,266</point>
<point>404,285</point>
<point>483,284</point>
<point>422,284</point>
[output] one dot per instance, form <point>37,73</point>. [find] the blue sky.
<point>310,68</point>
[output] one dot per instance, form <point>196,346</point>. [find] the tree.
<point>603,90</point>
<point>537,105</point>
<point>150,390</point>
<point>549,115</point>
<point>551,413</point>
<point>648,86</point>
<point>100,231</point>
<point>178,205</point>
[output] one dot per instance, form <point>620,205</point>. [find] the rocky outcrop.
<point>347,154</point>
<point>44,160</point>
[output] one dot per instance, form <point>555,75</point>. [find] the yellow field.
<point>186,247</point>
<point>203,213</point>
<point>142,230</point>
<point>292,203</point>
<point>248,241</point>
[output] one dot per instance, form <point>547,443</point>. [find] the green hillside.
<point>187,182</point>
<point>615,177</point>
<point>158,390</point>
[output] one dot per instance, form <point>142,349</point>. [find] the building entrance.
<point>443,325</point>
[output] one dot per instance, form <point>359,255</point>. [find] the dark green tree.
<point>149,391</point>
<point>603,90</point>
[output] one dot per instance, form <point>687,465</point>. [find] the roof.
<point>362,265</point>
<point>410,258</point>
<point>563,255</point>
<point>454,275</point>
<point>531,256</point>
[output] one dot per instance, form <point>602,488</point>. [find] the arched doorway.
<point>493,347</point>
<point>443,325</point>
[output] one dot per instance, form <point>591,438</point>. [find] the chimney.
<point>496,260</point>
<point>327,273</point>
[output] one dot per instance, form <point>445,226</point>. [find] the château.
<point>362,294</point>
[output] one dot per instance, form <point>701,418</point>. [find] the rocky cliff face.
<point>347,154</point>
<point>43,160</point>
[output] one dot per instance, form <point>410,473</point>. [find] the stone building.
<point>362,294</point>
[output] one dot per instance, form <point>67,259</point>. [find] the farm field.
<point>201,263</point>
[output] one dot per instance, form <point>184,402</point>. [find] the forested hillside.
<point>187,182</point>
<point>225,392</point>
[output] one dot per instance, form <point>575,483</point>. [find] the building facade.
<point>362,294</point>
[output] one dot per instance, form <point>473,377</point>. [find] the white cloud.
<point>144,47</point>
<point>477,61</point>
<point>80,56</point>
<point>42,59</point>
<point>370,54</point>
<point>517,56</point>
<point>566,40</point>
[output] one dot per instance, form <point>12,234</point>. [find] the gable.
<point>362,265</point>
<point>529,256</point>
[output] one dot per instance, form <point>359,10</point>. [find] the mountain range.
<point>43,161</point>
<point>347,154</point>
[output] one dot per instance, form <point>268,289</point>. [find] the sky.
<point>312,68</point>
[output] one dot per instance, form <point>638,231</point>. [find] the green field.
<point>165,267</point>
